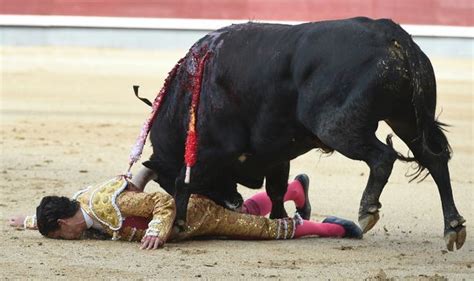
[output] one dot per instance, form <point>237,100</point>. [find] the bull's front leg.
<point>276,185</point>
<point>181,198</point>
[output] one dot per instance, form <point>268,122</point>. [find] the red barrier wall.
<point>436,12</point>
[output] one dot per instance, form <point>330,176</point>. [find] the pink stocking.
<point>320,229</point>
<point>295,193</point>
<point>261,205</point>
<point>258,205</point>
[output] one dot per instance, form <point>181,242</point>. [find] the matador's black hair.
<point>53,208</point>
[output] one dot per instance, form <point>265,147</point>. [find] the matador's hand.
<point>16,221</point>
<point>151,243</point>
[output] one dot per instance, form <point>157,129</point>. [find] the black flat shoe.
<point>352,229</point>
<point>305,211</point>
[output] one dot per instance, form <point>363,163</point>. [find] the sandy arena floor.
<point>69,118</point>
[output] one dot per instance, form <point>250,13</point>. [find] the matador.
<point>116,210</point>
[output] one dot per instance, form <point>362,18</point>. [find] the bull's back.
<point>261,61</point>
<point>263,69</point>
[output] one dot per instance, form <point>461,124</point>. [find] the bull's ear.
<point>152,165</point>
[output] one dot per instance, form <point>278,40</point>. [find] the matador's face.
<point>70,229</point>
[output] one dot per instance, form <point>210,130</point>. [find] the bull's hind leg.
<point>362,144</point>
<point>276,185</point>
<point>454,230</point>
<point>380,159</point>
<point>437,165</point>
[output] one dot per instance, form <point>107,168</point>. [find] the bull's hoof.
<point>180,225</point>
<point>279,216</point>
<point>368,220</point>
<point>279,213</point>
<point>454,236</point>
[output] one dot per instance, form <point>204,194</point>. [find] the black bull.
<point>273,92</point>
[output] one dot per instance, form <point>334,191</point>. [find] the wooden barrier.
<point>425,12</point>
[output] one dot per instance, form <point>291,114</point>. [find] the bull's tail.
<point>431,142</point>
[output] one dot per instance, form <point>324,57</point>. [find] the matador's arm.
<point>22,221</point>
<point>158,206</point>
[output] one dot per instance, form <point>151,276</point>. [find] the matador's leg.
<point>206,218</point>
<point>297,191</point>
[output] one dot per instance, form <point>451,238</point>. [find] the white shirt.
<point>91,222</point>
